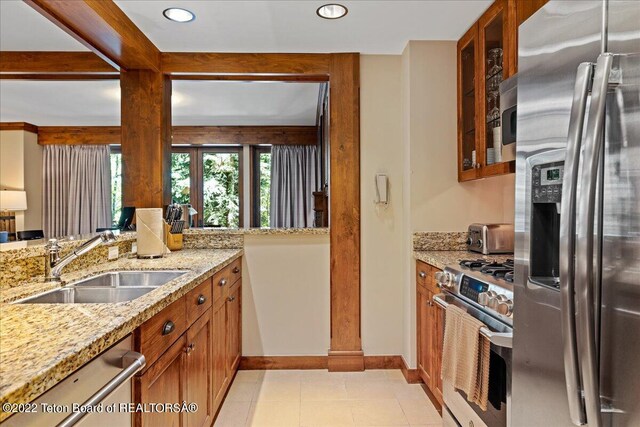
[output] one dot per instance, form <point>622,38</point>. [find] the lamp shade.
<point>13,200</point>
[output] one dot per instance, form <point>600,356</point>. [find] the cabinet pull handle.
<point>202,299</point>
<point>236,270</point>
<point>188,349</point>
<point>231,299</point>
<point>223,282</point>
<point>168,327</point>
<point>422,274</point>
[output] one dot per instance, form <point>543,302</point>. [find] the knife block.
<point>174,241</point>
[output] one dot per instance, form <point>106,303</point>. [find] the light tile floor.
<point>313,398</point>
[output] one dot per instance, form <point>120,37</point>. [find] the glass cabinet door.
<point>467,102</point>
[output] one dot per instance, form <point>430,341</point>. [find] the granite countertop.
<point>441,259</point>
<point>44,343</point>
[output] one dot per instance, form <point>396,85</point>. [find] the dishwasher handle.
<point>501,339</point>
<point>132,363</point>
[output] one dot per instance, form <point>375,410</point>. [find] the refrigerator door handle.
<point>567,242</point>
<point>584,278</point>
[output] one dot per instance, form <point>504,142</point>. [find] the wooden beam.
<point>104,28</point>
<point>345,352</point>
<point>19,126</point>
<point>60,76</point>
<point>245,63</point>
<point>307,78</point>
<point>182,135</point>
<point>245,135</point>
<point>78,135</point>
<point>52,62</point>
<point>146,138</point>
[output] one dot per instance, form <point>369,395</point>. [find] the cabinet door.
<point>163,382</point>
<point>438,339</point>
<point>468,99</point>
<point>424,336</point>
<point>199,369</point>
<point>233,327</point>
<point>496,60</point>
<point>219,351</point>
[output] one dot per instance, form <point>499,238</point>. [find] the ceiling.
<point>22,28</point>
<point>201,102</point>
<point>370,27</point>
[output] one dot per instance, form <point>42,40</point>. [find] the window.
<point>261,186</point>
<point>116,184</point>
<point>181,177</point>
<point>221,188</point>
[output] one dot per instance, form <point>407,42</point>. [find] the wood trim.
<point>28,127</point>
<point>245,63</point>
<point>471,36</point>
<point>345,211</point>
<point>79,135</point>
<point>104,28</point>
<point>245,135</point>
<point>283,362</point>
<point>60,76</point>
<point>300,78</point>
<point>383,362</point>
<point>52,62</point>
<point>184,135</point>
<point>346,361</point>
<point>412,376</point>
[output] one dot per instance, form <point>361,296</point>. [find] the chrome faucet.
<point>54,264</point>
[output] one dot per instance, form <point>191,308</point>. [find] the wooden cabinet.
<point>430,329</point>
<point>219,352</point>
<point>487,55</point>
<point>199,371</point>
<point>193,349</point>
<point>163,382</point>
<point>234,326</point>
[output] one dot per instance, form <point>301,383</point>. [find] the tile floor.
<point>281,398</point>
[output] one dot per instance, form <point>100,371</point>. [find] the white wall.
<point>21,169</point>
<point>381,227</point>
<point>285,295</point>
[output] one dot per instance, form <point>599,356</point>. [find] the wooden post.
<point>345,353</point>
<point>146,138</point>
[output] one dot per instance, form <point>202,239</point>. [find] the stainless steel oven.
<point>508,117</point>
<point>490,301</point>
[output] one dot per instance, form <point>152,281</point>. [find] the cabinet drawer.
<point>225,278</point>
<point>198,300</point>
<point>155,336</point>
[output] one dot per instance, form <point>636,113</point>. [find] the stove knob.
<point>479,243</point>
<point>469,241</point>
<point>495,301</point>
<point>485,297</point>
<point>505,307</point>
<point>444,279</point>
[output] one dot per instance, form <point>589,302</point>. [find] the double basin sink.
<point>109,287</point>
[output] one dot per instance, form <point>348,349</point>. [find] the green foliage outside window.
<point>180,178</point>
<point>116,186</point>
<point>265,188</point>
<point>221,179</point>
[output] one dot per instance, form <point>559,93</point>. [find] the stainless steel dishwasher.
<point>104,382</point>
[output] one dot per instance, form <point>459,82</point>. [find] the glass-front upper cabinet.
<point>467,105</point>
<point>487,55</point>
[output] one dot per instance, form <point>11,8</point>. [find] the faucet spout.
<point>54,264</point>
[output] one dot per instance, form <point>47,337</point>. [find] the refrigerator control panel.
<point>546,182</point>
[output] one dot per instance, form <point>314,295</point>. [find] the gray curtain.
<point>77,189</point>
<point>294,175</point>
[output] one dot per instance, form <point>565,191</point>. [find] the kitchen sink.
<point>110,287</point>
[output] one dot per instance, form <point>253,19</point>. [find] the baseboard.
<point>341,363</point>
<point>283,362</point>
<point>346,361</point>
<point>412,376</point>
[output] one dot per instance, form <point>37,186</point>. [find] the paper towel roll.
<point>150,233</point>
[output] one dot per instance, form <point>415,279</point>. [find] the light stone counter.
<point>41,344</point>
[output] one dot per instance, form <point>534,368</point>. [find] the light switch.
<point>113,252</point>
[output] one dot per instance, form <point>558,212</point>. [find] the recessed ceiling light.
<point>177,14</point>
<point>332,11</point>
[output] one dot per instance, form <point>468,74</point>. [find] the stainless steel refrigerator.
<point>576,350</point>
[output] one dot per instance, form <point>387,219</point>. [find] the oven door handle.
<point>501,339</point>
